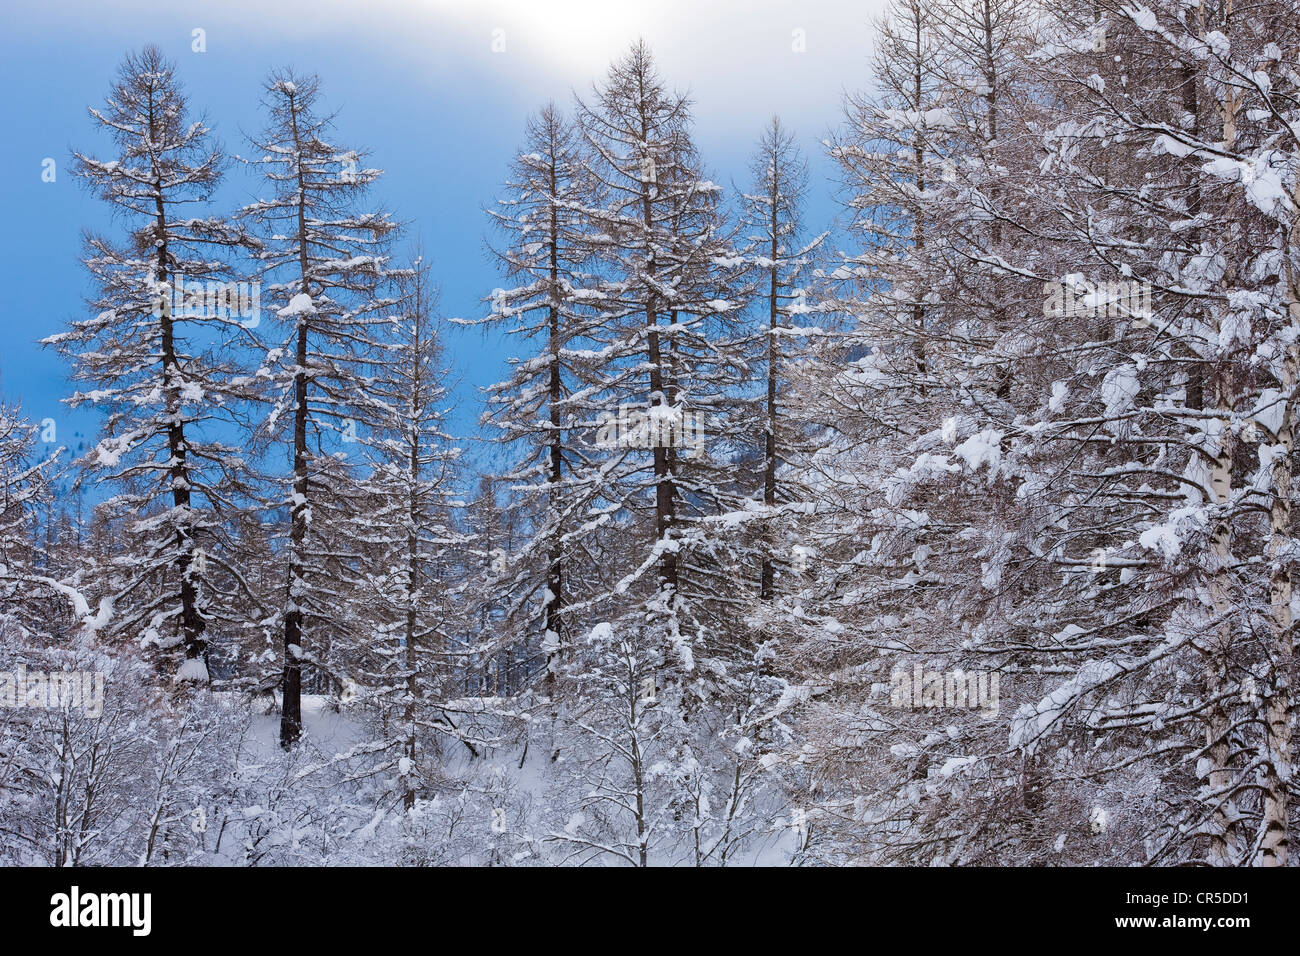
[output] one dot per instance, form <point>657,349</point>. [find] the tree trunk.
<point>291,708</point>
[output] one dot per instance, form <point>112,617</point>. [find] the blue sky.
<point>416,82</point>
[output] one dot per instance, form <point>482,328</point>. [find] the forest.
<point>955,532</point>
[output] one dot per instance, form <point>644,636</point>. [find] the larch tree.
<point>773,223</point>
<point>26,578</point>
<point>667,365</point>
<point>539,412</point>
<point>164,311</point>
<point>416,552</point>
<point>326,259</point>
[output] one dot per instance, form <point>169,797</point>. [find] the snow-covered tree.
<point>542,412</point>
<point>773,222</point>
<point>415,552</point>
<point>325,258</point>
<point>165,310</point>
<point>36,598</point>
